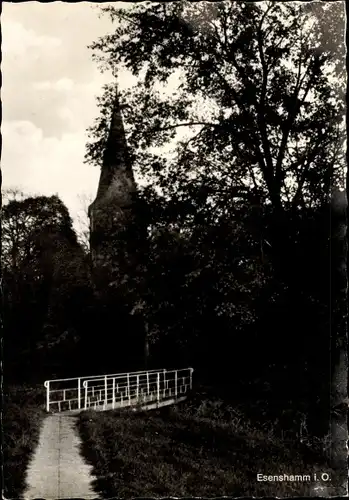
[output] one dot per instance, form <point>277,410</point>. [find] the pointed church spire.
<point>116,148</point>
<point>116,158</point>
<point>114,205</point>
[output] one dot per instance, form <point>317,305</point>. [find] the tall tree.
<point>45,276</point>
<point>24,220</point>
<point>240,102</point>
<point>258,87</point>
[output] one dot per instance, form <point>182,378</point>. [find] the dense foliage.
<point>46,282</point>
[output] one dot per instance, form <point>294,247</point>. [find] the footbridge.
<point>143,390</point>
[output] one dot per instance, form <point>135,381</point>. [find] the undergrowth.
<point>202,448</point>
<point>22,415</point>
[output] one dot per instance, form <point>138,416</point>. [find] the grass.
<point>22,416</point>
<point>202,448</point>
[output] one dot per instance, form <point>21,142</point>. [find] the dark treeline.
<point>212,301</point>
<point>241,275</point>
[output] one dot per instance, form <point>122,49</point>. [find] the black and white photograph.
<point>173,250</point>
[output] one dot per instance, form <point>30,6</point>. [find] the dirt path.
<point>57,469</point>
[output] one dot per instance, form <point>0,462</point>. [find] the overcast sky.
<point>48,97</point>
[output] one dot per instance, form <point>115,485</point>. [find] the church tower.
<point>118,241</point>
<point>113,210</point>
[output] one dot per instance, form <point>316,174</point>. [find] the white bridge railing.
<point>117,390</point>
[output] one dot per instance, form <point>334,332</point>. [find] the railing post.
<point>47,384</point>
<point>105,392</point>
<point>128,389</point>
<point>85,385</point>
<point>137,390</point>
<point>113,406</point>
<point>158,387</point>
<point>148,383</point>
<point>79,393</point>
<point>176,383</point>
<point>191,378</point>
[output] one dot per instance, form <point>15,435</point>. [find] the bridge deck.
<point>135,405</point>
